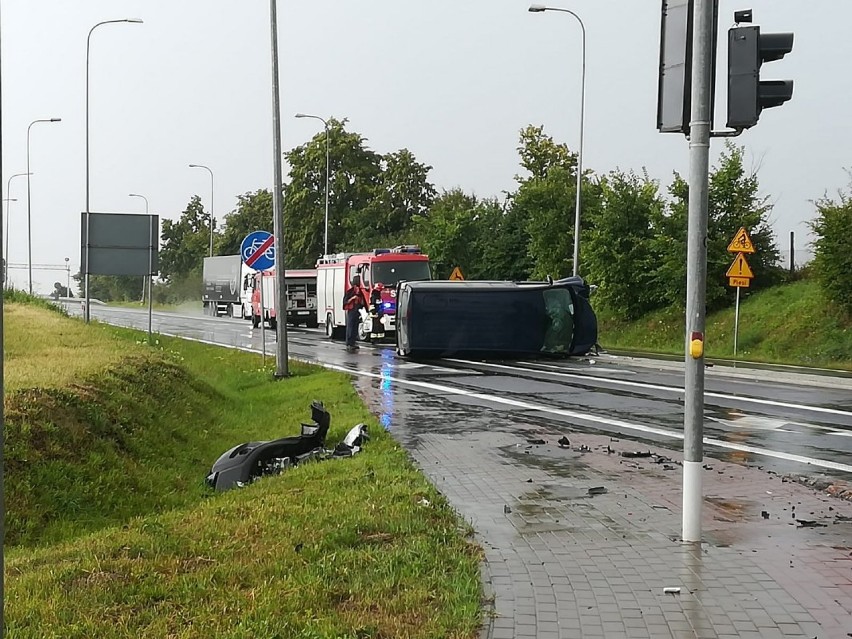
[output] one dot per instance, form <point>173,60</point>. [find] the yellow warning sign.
<point>739,282</point>
<point>457,274</point>
<point>740,268</point>
<point>741,243</point>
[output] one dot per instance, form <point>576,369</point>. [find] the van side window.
<point>365,275</point>
<point>353,271</point>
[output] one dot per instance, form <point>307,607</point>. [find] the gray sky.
<point>452,80</point>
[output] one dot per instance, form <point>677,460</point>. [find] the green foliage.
<point>253,213</point>
<point>833,248</point>
<point>116,288</point>
<point>186,241</point>
<point>787,324</point>
<point>546,200</point>
<point>618,250</point>
<point>503,243</point>
<point>112,466</point>
<point>449,233</point>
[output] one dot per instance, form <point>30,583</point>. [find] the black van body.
<point>443,318</point>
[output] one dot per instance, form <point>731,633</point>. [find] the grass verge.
<point>789,324</point>
<point>115,535</point>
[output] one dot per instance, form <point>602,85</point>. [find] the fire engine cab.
<point>380,272</point>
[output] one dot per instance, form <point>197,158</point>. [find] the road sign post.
<point>739,274</point>
<point>258,252</point>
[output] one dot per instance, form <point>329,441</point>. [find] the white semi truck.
<point>225,287</point>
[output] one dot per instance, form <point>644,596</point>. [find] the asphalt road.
<point>783,420</point>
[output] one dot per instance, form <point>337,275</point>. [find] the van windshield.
<point>390,273</point>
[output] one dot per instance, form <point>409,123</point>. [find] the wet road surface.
<point>786,421</point>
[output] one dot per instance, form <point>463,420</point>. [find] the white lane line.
<point>671,389</point>
<point>541,408</point>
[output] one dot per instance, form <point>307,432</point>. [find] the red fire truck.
<point>380,270</point>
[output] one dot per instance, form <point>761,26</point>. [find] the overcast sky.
<point>452,80</point>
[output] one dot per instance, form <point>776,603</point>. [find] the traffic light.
<point>748,95</point>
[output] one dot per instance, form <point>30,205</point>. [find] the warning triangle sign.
<point>740,268</point>
<point>741,243</point>
<point>456,274</point>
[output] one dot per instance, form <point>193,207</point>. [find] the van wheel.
<point>273,323</point>
<point>329,326</point>
<point>255,320</point>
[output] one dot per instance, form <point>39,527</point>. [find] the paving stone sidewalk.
<point>564,562</point>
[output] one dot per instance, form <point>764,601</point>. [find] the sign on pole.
<point>456,275</point>
<point>741,243</point>
<point>258,250</point>
<point>739,274</point>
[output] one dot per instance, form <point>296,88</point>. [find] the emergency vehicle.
<point>301,297</point>
<point>380,271</point>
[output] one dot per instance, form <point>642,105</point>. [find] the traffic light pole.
<point>701,124</point>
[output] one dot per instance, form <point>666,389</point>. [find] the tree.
<point>449,233</point>
<point>618,250</point>
<point>833,248</point>
<point>185,242</point>
<point>404,193</point>
<point>354,179</point>
<point>546,200</point>
<point>253,213</point>
<point>503,243</point>
<point>734,202</point>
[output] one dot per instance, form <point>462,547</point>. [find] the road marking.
<point>671,389</point>
<point>541,408</point>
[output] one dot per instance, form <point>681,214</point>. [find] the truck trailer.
<point>224,287</point>
<point>301,298</point>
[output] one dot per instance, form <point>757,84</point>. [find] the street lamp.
<point>29,207</point>
<point>88,211</point>
<point>201,166</point>
<point>6,230</point>
<point>539,8</point>
<point>327,172</point>
<point>149,260</point>
<point>68,277</point>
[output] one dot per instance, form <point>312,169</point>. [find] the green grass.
<point>111,531</point>
<point>789,324</point>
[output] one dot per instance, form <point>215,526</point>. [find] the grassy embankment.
<point>112,533</point>
<point>789,324</point>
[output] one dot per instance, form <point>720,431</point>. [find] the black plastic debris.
<point>636,453</point>
<point>564,442</point>
<point>247,462</point>
<point>597,490</point>
<point>764,514</point>
<point>537,442</point>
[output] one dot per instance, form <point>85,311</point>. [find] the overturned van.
<point>495,319</point>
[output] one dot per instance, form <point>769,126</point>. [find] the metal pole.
<point>262,322</point>
<point>2,404</point>
<point>29,207</point>
<point>151,248</point>
<point>792,253</point>
<point>67,277</point>
<point>327,179</point>
<point>153,239</point>
<point>736,324</point>
<point>696,279</point>
<point>537,8</point>
<point>210,171</point>
<point>86,312</point>
<point>282,366</point>
<point>327,172</point>
<point>6,230</point>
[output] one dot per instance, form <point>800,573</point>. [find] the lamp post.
<point>67,277</point>
<point>6,230</point>
<point>327,172</point>
<point>29,207</point>
<point>149,275</point>
<point>88,210</point>
<point>201,166</point>
<point>539,8</point>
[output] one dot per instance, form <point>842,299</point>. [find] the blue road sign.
<point>258,250</point>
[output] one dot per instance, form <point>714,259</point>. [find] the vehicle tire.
<point>255,321</point>
<point>329,326</point>
<point>273,323</point>
<point>312,323</point>
<point>363,335</point>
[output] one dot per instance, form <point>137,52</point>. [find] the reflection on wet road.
<point>788,421</point>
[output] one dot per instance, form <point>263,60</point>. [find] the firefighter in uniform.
<point>353,301</point>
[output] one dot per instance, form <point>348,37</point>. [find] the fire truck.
<point>301,297</point>
<point>380,271</point>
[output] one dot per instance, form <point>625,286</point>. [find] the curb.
<point>489,601</point>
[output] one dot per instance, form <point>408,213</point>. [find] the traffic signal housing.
<point>748,95</point>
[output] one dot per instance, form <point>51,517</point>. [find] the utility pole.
<point>282,368</point>
<point>701,124</point>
